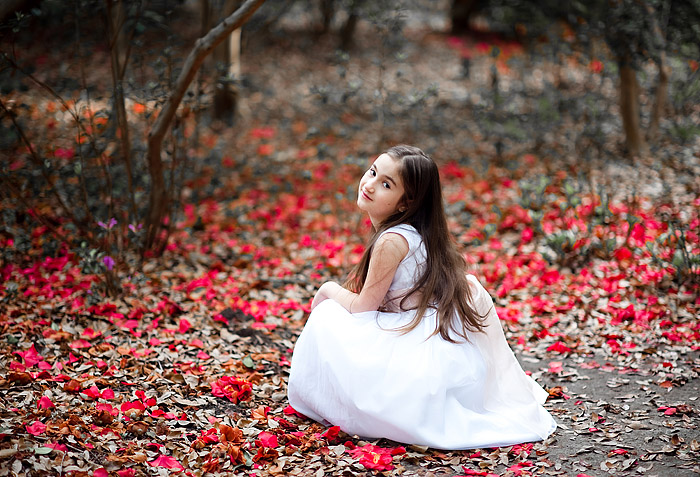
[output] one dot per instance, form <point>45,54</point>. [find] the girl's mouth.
<point>365,195</point>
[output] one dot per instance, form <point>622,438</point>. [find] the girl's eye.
<point>386,185</point>
<point>372,173</point>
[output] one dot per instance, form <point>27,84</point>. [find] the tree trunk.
<point>227,60</point>
<point>629,109</point>
<point>347,31</point>
<point>158,195</point>
<point>327,12</point>
<point>119,56</point>
<point>661,96</point>
<point>461,12</point>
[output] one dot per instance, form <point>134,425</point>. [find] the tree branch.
<point>39,163</point>
<point>194,60</point>
<point>202,48</point>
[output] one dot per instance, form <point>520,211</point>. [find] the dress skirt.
<point>357,372</point>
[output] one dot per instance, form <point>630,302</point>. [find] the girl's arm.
<point>388,252</point>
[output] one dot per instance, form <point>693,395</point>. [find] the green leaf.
<point>248,362</point>
<point>678,259</point>
<point>43,450</point>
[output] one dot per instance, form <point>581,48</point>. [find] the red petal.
<point>267,439</point>
<point>167,462</point>
<point>45,403</point>
<point>37,428</point>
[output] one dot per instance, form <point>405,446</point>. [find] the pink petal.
<point>79,344</point>
<point>44,366</point>
<point>107,394</point>
<point>267,439</point>
<point>556,367</point>
<point>184,326</point>
<point>37,428</point>
<point>167,462</point>
<point>45,403</point>
<point>57,446</point>
<point>89,333</point>
<point>92,392</point>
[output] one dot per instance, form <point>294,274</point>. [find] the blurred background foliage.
<point>122,60</point>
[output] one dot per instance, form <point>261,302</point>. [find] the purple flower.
<point>109,262</point>
<point>112,222</point>
<point>134,229</point>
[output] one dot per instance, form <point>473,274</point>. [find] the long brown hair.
<point>444,284</point>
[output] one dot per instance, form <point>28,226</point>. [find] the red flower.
<point>263,133</point>
<point>375,461</point>
<point>527,235</point>
<point>234,389</point>
<point>376,458</point>
<point>332,433</point>
<point>595,66</point>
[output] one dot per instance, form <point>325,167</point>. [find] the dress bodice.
<point>409,270</point>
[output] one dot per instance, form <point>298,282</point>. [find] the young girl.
<point>410,348</point>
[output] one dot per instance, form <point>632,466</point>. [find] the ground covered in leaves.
<point>186,371</point>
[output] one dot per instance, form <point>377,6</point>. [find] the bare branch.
<point>194,60</point>
<point>39,163</point>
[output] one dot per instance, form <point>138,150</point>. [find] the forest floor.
<point>185,371</point>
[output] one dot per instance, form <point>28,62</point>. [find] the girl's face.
<point>381,192</point>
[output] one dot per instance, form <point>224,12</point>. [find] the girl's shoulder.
<point>408,232</point>
<point>405,230</point>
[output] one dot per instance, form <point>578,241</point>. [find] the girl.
<point>410,348</point>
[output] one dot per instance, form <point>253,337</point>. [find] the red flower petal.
<point>92,392</point>
<point>559,347</point>
<point>37,428</point>
<point>45,403</point>
<point>167,462</point>
<point>184,325</point>
<point>78,344</point>
<point>267,439</point>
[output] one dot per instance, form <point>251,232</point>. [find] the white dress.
<point>352,370</point>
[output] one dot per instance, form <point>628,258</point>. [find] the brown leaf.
<point>72,386</point>
<point>20,379</point>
